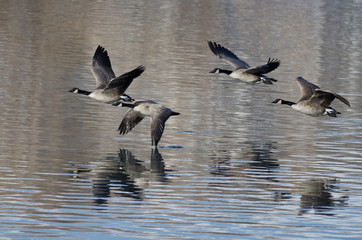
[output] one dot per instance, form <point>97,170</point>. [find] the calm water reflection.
<point>233,165</point>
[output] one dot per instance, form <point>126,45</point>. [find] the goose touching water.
<point>242,70</point>
<point>109,88</point>
<point>314,101</point>
<point>138,110</point>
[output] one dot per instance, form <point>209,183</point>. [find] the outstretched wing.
<point>325,98</point>
<point>130,120</point>
<point>271,65</point>
<point>342,99</point>
<point>121,83</point>
<point>226,55</point>
<point>158,125</point>
<point>101,67</point>
<point>306,88</point>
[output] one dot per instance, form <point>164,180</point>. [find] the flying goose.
<point>138,110</point>
<point>109,88</point>
<point>242,70</point>
<point>314,101</point>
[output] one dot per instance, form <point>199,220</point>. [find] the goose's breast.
<point>101,96</point>
<point>245,77</point>
<point>308,109</point>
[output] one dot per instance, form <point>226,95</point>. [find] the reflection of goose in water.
<point>111,176</point>
<point>255,158</point>
<point>131,166</point>
<point>157,167</point>
<point>316,194</point>
<point>261,157</point>
<point>117,175</point>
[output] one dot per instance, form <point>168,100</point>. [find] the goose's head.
<point>74,90</point>
<point>216,70</point>
<point>277,101</point>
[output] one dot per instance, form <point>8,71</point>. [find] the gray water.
<point>231,166</point>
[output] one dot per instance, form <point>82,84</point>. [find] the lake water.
<point>231,166</point>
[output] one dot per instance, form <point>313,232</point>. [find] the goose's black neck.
<point>228,72</point>
<point>287,102</point>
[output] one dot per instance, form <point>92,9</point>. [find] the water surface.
<point>231,166</point>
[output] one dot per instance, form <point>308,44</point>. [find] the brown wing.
<point>130,120</point>
<point>271,65</point>
<point>158,125</point>
<point>342,99</point>
<point>306,88</point>
<point>101,67</point>
<point>325,97</point>
<point>226,55</point>
<point>121,83</point>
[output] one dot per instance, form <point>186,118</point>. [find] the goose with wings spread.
<point>314,101</point>
<point>242,70</point>
<point>109,88</point>
<point>138,110</point>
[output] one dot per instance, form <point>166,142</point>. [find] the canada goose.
<point>314,101</point>
<point>242,70</point>
<point>109,88</point>
<point>139,109</point>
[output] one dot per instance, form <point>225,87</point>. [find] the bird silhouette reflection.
<point>254,158</point>
<point>118,175</point>
<point>115,174</point>
<point>157,168</point>
<point>317,195</point>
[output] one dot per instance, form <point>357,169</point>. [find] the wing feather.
<point>325,98</point>
<point>158,124</point>
<point>121,83</point>
<point>306,88</point>
<point>130,120</point>
<point>101,67</point>
<point>271,65</point>
<point>226,55</point>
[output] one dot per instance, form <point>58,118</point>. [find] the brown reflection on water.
<point>316,195</point>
